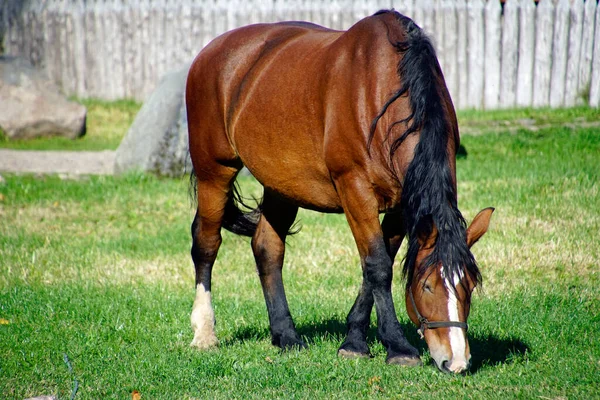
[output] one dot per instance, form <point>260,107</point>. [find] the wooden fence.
<point>492,57</point>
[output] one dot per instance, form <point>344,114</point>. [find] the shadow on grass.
<point>486,350</point>
<point>490,351</point>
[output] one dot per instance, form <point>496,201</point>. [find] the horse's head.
<point>438,299</point>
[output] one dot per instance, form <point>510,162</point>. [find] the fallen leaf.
<point>4,321</point>
<point>136,395</point>
<point>269,360</point>
<point>375,379</point>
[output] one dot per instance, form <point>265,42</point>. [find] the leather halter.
<point>426,324</point>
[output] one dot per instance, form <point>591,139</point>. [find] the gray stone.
<point>157,140</point>
<point>43,398</point>
<point>32,106</point>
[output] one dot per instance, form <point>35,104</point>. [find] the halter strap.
<point>426,324</point>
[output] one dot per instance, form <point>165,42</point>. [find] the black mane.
<point>429,195</point>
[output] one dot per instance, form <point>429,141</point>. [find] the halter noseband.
<point>426,324</point>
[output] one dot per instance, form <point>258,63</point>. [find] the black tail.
<point>238,221</point>
<point>235,219</point>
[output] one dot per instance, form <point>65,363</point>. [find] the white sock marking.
<point>203,319</point>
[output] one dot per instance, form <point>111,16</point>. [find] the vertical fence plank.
<point>220,17</point>
<point>39,55</point>
<point>305,11</point>
<point>543,53</point>
<point>49,39</point>
<point>587,49</point>
<point>404,7</point>
<point>99,49</point>
<point>158,39</point>
<point>147,36</point>
<point>362,9</point>
<point>79,32</point>
<point>559,53</point>
<point>595,78</point>
<point>419,14</point>
<point>462,70</point>
<point>317,14</point>
<point>184,33</point>
<point>429,24</point>
<point>117,76</point>
<point>127,25</point>
<point>334,17</point>
<point>389,4</point>
<point>526,53</point>
<point>13,36</point>
<point>279,10</point>
<point>574,53</point>
<point>510,48</point>
<point>90,49</point>
<point>438,33</point>
<point>68,40</point>
<point>113,22</point>
<point>492,54</point>
<point>141,41</point>
<point>59,45</point>
<point>448,43</point>
<point>25,37</point>
<point>207,21</point>
<point>476,54</point>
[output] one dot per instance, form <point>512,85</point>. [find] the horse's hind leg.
<point>268,245</point>
<point>213,195</point>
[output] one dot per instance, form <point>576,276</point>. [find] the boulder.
<point>32,106</point>
<point>157,141</point>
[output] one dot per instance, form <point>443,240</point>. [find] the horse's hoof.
<point>205,343</point>
<point>406,361</point>
<point>290,343</point>
<point>352,354</point>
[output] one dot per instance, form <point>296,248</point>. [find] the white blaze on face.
<point>203,320</point>
<point>458,342</point>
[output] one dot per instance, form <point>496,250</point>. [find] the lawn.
<point>96,286</point>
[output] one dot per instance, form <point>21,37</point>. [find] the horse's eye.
<point>427,287</point>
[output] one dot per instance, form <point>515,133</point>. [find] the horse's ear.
<point>479,226</point>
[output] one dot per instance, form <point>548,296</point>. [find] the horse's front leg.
<point>376,251</point>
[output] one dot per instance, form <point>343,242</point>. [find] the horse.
<point>358,122</point>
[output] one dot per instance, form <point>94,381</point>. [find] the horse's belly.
<point>298,176</point>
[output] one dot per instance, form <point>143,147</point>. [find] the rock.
<point>157,141</point>
<point>43,398</point>
<point>32,106</point>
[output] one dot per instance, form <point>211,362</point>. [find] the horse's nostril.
<point>444,367</point>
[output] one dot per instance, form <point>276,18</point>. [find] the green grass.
<point>99,269</point>
<point>476,122</point>
<point>107,124</point>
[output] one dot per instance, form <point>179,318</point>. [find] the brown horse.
<point>358,122</point>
